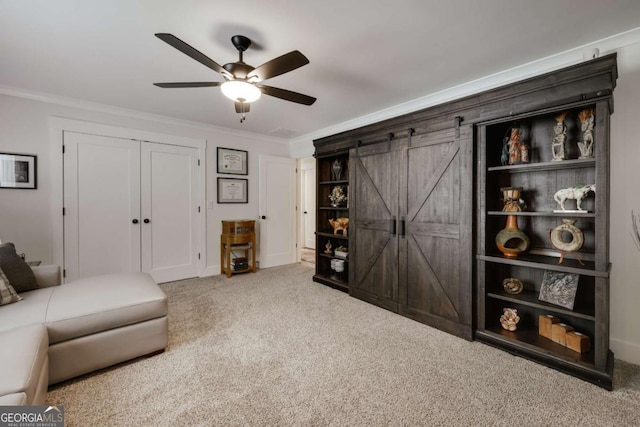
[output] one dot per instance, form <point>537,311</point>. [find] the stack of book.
<point>239,263</point>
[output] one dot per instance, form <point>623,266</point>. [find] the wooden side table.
<point>236,236</point>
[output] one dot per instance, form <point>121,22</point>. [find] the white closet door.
<point>277,207</point>
<point>169,177</point>
<point>102,202</point>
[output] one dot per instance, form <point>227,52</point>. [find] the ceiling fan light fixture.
<point>240,91</point>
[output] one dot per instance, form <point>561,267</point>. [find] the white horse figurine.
<point>577,193</point>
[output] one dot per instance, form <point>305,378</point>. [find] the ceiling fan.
<point>242,81</point>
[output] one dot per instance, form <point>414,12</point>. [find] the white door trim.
<point>59,125</point>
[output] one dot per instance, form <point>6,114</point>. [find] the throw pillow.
<point>17,271</point>
<point>7,293</point>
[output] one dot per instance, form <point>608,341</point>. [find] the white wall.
<point>625,196</point>
<point>25,215</point>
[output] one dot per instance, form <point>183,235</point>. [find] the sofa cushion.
<point>17,271</point>
<point>24,355</point>
<point>7,293</point>
<point>14,399</point>
<point>32,310</point>
<point>101,303</point>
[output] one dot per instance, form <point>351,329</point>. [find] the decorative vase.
<point>511,241</point>
<point>336,169</point>
<point>511,199</point>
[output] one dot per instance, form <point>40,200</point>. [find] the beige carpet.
<point>275,349</point>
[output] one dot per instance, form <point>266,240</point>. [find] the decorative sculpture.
<point>514,147</point>
<point>512,285</point>
<point>511,199</point>
<point>337,196</point>
<point>509,319</point>
<point>586,117</point>
<point>577,193</point>
<point>327,247</point>
<point>559,137</point>
<point>512,241</point>
<point>336,169</point>
<point>339,224</point>
<point>574,245</point>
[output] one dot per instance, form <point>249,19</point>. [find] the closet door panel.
<point>169,211</point>
<point>374,197</point>
<point>102,205</point>
<point>436,285</point>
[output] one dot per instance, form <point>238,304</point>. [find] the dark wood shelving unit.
<point>326,156</point>
<point>539,180</point>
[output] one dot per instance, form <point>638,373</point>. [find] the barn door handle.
<point>263,217</point>
<point>135,221</point>
<point>392,226</point>
<point>146,221</point>
<point>402,227</point>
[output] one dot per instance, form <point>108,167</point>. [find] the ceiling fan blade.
<point>287,95</point>
<point>187,84</point>
<point>280,65</point>
<point>242,107</point>
<point>191,51</point>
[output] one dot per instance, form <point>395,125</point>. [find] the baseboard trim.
<point>210,270</point>
<point>626,350</point>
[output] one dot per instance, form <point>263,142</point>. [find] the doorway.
<point>307,216</point>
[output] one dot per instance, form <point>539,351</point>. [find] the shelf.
<point>547,263</point>
<point>342,181</point>
<point>530,299</point>
<point>530,339</point>
<point>331,281</point>
<point>331,208</point>
<point>546,214</point>
<point>544,166</point>
<point>333,257</point>
<point>335,236</point>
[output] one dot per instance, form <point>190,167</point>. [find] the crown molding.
<point>136,114</point>
<point>302,145</point>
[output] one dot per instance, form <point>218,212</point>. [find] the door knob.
<point>305,212</point>
<point>135,221</point>
<point>263,217</point>
<point>146,221</point>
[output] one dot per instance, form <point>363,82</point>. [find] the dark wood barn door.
<point>374,187</point>
<point>436,245</point>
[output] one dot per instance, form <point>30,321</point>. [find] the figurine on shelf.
<point>336,169</point>
<point>559,137</point>
<point>339,224</point>
<point>511,199</point>
<point>587,121</point>
<point>328,247</point>
<point>577,193</point>
<point>509,319</point>
<point>514,147</point>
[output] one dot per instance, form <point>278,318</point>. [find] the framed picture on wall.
<point>18,171</point>
<point>232,190</point>
<point>232,161</point>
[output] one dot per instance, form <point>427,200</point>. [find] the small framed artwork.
<point>232,161</point>
<point>232,190</point>
<point>18,171</point>
<point>559,288</point>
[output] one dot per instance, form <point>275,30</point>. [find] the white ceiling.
<point>365,56</point>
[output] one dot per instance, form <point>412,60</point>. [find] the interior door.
<point>436,253</point>
<point>277,210</point>
<point>101,205</point>
<point>373,194</point>
<point>309,205</point>
<point>169,181</point>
